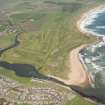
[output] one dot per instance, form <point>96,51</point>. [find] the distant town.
<point>13,92</point>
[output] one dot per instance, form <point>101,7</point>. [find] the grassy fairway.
<point>6,40</point>
<point>80,101</point>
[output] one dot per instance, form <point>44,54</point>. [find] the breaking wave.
<point>94,55</point>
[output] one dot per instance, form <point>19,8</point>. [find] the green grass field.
<point>80,101</point>
<point>6,40</point>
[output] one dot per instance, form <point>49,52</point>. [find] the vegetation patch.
<point>80,101</point>
<point>6,40</point>
<point>2,28</point>
<point>21,17</point>
<point>66,6</point>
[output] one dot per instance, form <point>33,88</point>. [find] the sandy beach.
<point>77,76</point>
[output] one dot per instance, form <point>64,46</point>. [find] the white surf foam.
<point>87,60</point>
<point>100,27</point>
<point>89,19</point>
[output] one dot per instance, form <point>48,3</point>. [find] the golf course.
<point>48,33</point>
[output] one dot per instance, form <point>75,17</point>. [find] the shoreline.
<point>79,75</point>
<point>85,16</point>
<point>82,29</point>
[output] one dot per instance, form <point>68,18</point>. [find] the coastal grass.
<point>21,17</point>
<point>80,101</point>
<point>6,39</point>
<point>48,49</point>
<point>2,28</point>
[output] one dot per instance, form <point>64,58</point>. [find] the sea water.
<point>94,55</point>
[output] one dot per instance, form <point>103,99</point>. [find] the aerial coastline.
<point>52,52</point>
<point>79,76</point>
<point>84,19</point>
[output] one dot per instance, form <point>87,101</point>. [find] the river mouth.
<point>94,55</point>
